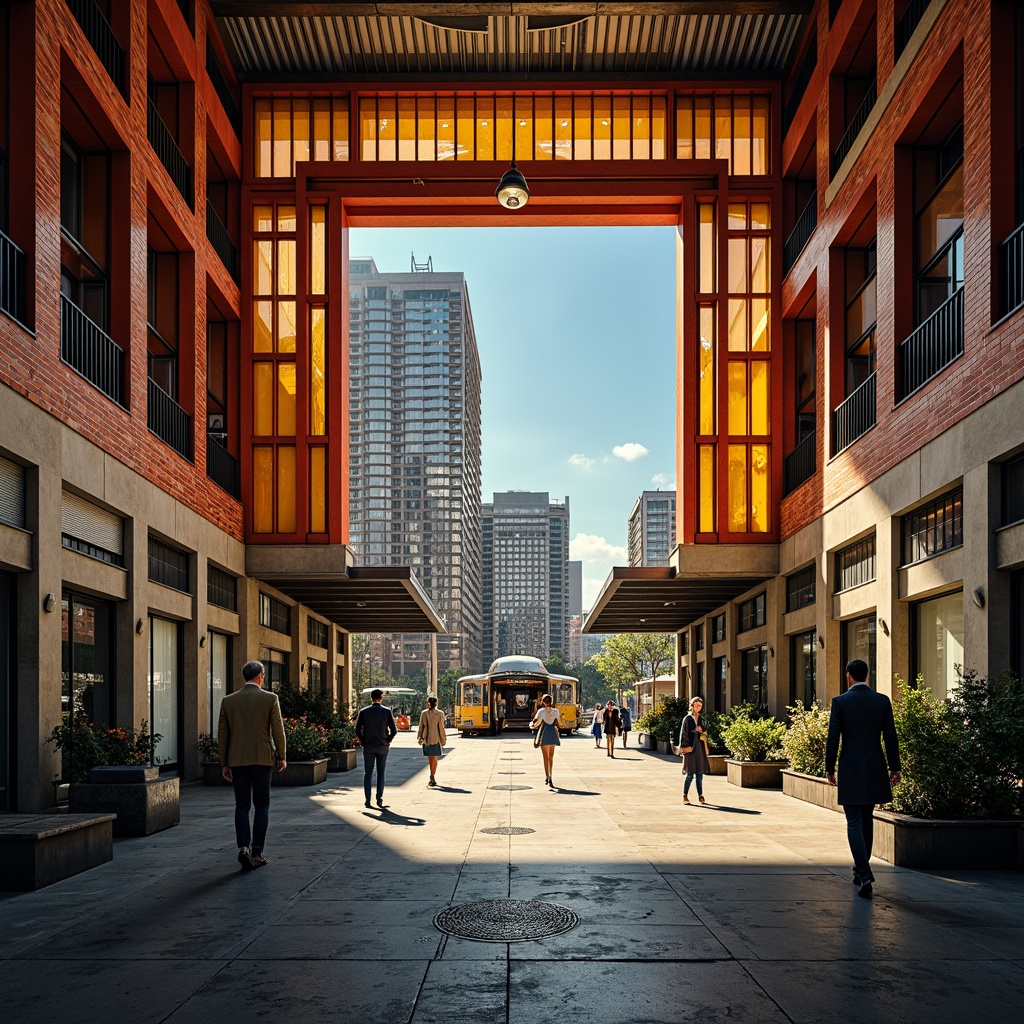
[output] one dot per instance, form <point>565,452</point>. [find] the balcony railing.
<point>800,464</point>
<point>855,417</point>
<point>88,350</point>
<point>853,130</point>
<point>906,25</point>
<point>1011,272</point>
<point>169,421</point>
<point>101,37</point>
<point>933,346</point>
<point>801,233</point>
<point>221,241</point>
<point>800,84</point>
<point>220,84</point>
<point>222,467</point>
<point>12,279</point>
<point>167,150</point>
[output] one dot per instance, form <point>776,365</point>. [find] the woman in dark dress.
<point>695,763</point>
<point>612,726</point>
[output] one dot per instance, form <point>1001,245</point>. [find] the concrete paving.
<point>741,910</point>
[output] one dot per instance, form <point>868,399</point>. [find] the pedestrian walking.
<point>612,724</point>
<point>862,720</point>
<point>546,721</point>
<point>627,724</point>
<point>692,747</point>
<point>251,744</point>
<point>375,729</point>
<point>431,736</point>
<point>499,713</point>
<point>595,728</point>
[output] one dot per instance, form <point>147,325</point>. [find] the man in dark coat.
<point>375,728</point>
<point>863,720</point>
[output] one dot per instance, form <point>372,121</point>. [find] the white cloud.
<point>629,451</point>
<point>582,461</point>
<point>666,481</point>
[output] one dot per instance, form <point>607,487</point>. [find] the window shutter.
<point>12,494</point>
<point>89,523</point>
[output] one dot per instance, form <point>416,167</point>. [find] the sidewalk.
<point>738,911</point>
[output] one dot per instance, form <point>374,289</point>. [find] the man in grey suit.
<point>863,720</point>
<point>375,729</point>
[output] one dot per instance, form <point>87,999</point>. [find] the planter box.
<point>755,774</point>
<point>811,788</point>
<point>645,741</point>
<point>37,850</point>
<point>924,843</point>
<point>301,773</point>
<point>341,760</point>
<point>664,746</point>
<point>717,764</point>
<point>212,775</point>
<point>143,801</point>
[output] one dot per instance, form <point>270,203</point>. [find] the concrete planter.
<point>212,774</point>
<point>811,788</point>
<point>143,801</point>
<point>341,760</point>
<point>717,764</point>
<point>925,843</point>
<point>302,773</point>
<point>645,741</point>
<point>664,746</point>
<point>755,774</point>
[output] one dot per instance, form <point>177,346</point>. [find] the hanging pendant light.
<point>512,192</point>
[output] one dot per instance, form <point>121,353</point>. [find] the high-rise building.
<point>575,588</point>
<point>414,456</point>
<point>652,528</point>
<point>525,575</point>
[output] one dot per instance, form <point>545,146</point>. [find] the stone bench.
<point>37,850</point>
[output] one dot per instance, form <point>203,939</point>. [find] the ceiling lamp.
<point>512,192</point>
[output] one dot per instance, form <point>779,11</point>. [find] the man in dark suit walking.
<point>863,720</point>
<point>375,728</point>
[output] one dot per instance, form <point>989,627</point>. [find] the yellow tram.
<point>521,681</point>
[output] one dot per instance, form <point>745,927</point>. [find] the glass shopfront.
<point>859,642</point>
<point>755,675</point>
<point>939,642</point>
<point>802,669</point>
<point>220,673</point>
<point>165,682</point>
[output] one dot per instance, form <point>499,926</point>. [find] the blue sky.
<point>576,332</point>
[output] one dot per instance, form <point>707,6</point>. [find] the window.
<point>162,319</point>
<point>317,673</point>
<point>718,668</point>
<point>168,566</point>
<point>316,632</point>
<point>91,530</point>
<point>275,667</point>
<point>855,564</point>
<point>165,688</point>
<point>219,676</point>
<point>1017,622</point>
<point>684,642</point>
<point>221,588</point>
<point>805,372</point>
<point>275,614</point>
<point>718,628</point>
<point>934,528</point>
<point>752,612</point>
<point>755,675</point>
<point>938,626</point>
<point>698,637</point>
<point>698,679</point>
<point>800,588</point>
<point>1013,491</point>
<point>12,492</point>
<point>802,669</point>
<point>858,641</point>
<point>861,315</point>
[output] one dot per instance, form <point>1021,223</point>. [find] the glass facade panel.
<point>318,490</point>
<point>165,687</point>
<point>286,399</point>
<point>760,398</point>
<point>707,370</point>
<point>803,669</point>
<point>939,646</point>
<point>707,488</point>
<point>707,259</point>
<point>317,373</point>
<point>759,470</point>
<point>737,488</point>
<point>755,675</point>
<point>263,399</point>
<point>285,489</point>
<point>219,675</point>
<point>738,398</point>
<point>318,250</point>
<point>263,327</point>
<point>262,489</point>
<point>858,641</point>
<point>87,664</point>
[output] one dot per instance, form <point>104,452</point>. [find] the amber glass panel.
<point>318,250</point>
<point>321,129</point>
<point>263,326</point>
<point>760,398</point>
<point>602,127</point>
<point>737,216</point>
<point>760,325</point>
<point>760,216</point>
<point>445,128</point>
<point>658,121</point>
<point>737,325</point>
<point>368,128</point>
<point>286,327</point>
<point>465,123</point>
<point>621,128</point>
<point>702,127</point>
<point>759,520</point>
<point>282,138</point>
<point>387,134</point>
<point>706,363</point>
<point>759,264</point>
<point>738,265</point>
<point>684,128</point>
<point>317,373</point>
<point>262,489</point>
<point>262,134</point>
<point>706,248</point>
<point>759,155</point>
<point>263,217</point>
<point>317,490</point>
<point>737,397</point>
<point>286,266</point>
<point>286,399</point>
<point>263,399</point>
<point>723,128</point>
<point>263,263</point>
<point>543,127</point>
<point>300,131</point>
<point>286,218</point>
<point>340,130</point>
<point>285,490</point>
<point>641,128</point>
<point>503,134</point>
<point>738,488</point>
<point>563,128</point>
<point>485,128</point>
<point>707,489</point>
<point>406,128</point>
<point>583,128</point>
<point>741,135</point>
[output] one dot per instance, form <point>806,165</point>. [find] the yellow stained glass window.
<point>707,489</point>
<point>543,129</point>
<point>282,148</point>
<point>263,399</point>
<point>317,373</point>
<point>737,397</point>
<point>706,365</point>
<point>760,397</point>
<point>741,135</point>
<point>737,325</point>
<point>684,128</point>
<point>737,264</point>
<point>263,218</point>
<point>760,327</point>
<point>406,128</point>
<point>286,266</point>
<point>723,128</point>
<point>318,490</point>
<point>318,250</point>
<point>702,128</point>
<point>300,131</point>
<point>286,399</point>
<point>286,217</point>
<point>263,267</point>
<point>602,128</point>
<point>759,275</point>
<point>286,327</point>
<point>563,128</point>
<point>464,124</point>
<point>426,132</point>
<point>387,143</point>
<point>759,154</point>
<point>484,128</point>
<point>263,489</point>
<point>706,248</point>
<point>737,216</point>
<point>285,489</point>
<point>340,117</point>
<point>263,326</point>
<point>445,128</point>
<point>263,134</point>
<point>737,488</point>
<point>622,138</point>
<point>321,129</point>
<point>760,521</point>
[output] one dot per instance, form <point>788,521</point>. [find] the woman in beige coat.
<point>431,736</point>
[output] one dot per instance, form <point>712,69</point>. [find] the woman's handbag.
<point>685,750</point>
<point>682,732</point>
<point>536,738</point>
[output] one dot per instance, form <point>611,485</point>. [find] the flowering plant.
<point>83,746</point>
<point>307,740</point>
<point>341,737</point>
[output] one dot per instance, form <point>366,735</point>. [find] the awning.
<point>665,599</point>
<point>359,599</point>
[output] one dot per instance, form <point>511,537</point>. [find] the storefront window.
<point>755,675</point>
<point>802,669</point>
<point>859,642</point>
<point>939,642</point>
<point>220,669</point>
<point>165,687</point>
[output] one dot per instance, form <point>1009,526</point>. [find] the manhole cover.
<point>507,830</point>
<point>510,787</point>
<point>506,920</point>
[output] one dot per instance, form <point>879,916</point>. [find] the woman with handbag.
<point>546,721</point>
<point>612,726</point>
<point>431,736</point>
<point>693,749</point>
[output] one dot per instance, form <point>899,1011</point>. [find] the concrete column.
<point>986,614</point>
<point>132,645</point>
<point>892,640</point>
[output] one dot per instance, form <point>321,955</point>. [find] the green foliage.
<point>717,723</point>
<point>314,706</point>
<point>446,681</point>
<point>83,746</point>
<point>804,742</point>
<point>664,720</point>
<point>755,739</point>
<point>627,657</point>
<point>594,688</point>
<point>962,757</point>
<point>557,664</point>
<point>341,737</point>
<point>306,740</point>
<point>748,710</point>
<point>208,749</point>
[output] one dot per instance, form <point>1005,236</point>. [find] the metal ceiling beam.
<point>517,9</point>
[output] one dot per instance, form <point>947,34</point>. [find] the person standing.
<point>627,723</point>
<point>431,736</point>
<point>375,729</point>
<point>595,728</point>
<point>863,721</point>
<point>499,713</point>
<point>612,724</point>
<point>547,720</point>
<point>251,743</point>
<point>695,758</point>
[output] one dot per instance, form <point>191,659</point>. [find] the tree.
<point>557,665</point>
<point>446,680</point>
<point>594,688</point>
<point>629,657</point>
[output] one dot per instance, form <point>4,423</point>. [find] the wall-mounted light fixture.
<point>512,192</point>
<point>202,640</point>
<point>978,597</point>
<point>49,603</point>
<point>883,626</point>
<point>821,642</point>
<point>771,650</point>
<point>140,625</point>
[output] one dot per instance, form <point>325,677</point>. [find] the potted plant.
<point>756,745</point>
<point>804,744</point>
<point>718,752</point>
<point>209,760</point>
<point>306,753</point>
<point>341,747</point>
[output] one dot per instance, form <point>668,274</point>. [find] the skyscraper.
<point>652,528</point>
<point>415,448</point>
<point>525,575</point>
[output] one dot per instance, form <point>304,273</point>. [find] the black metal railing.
<point>908,22</point>
<point>1011,272</point>
<point>855,125</point>
<point>169,421</point>
<point>101,38</point>
<point>221,241</point>
<point>800,83</point>
<point>801,233</point>
<point>166,149</point>
<point>855,417</point>
<point>90,351</point>
<point>222,467</point>
<point>800,464</point>
<point>933,346</point>
<point>220,85</point>
<point>12,279</point>
<point>168,566</point>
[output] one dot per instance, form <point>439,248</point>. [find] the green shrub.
<point>804,742</point>
<point>314,706</point>
<point>755,739</point>
<point>307,740</point>
<point>664,720</point>
<point>83,746</point>
<point>341,737</point>
<point>717,723</point>
<point>208,749</point>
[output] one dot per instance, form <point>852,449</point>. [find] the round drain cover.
<point>510,787</point>
<point>507,830</point>
<point>506,920</point>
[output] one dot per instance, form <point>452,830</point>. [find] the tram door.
<point>519,706</point>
